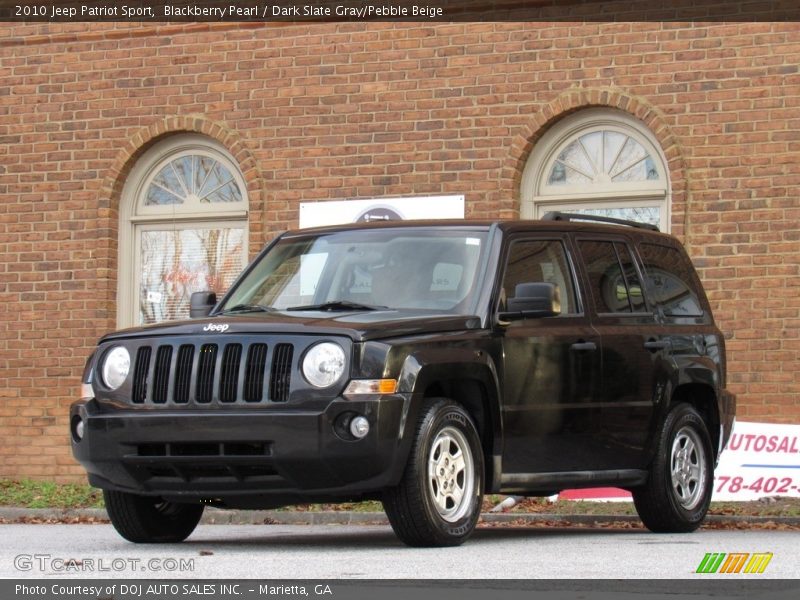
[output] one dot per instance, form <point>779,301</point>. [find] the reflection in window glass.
<point>565,174</point>
<point>634,291</point>
<point>612,144</point>
<point>403,269</point>
<point>197,176</point>
<point>592,145</point>
<point>446,277</point>
<point>613,291</point>
<point>673,284</point>
<point>540,261</point>
<point>600,157</point>
<point>175,263</point>
<point>639,214</point>
<point>575,156</point>
<point>632,154</point>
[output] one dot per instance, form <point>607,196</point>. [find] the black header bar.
<point>283,11</point>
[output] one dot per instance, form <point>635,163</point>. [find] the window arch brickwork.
<point>110,198</point>
<point>575,100</point>
<point>598,161</point>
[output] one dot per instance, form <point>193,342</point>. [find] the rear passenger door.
<point>632,346</point>
<point>682,308</point>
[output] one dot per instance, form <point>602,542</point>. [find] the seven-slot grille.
<point>211,373</point>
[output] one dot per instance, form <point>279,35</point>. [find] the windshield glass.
<point>402,268</point>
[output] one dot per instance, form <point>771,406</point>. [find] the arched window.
<point>598,161</point>
<point>183,228</point>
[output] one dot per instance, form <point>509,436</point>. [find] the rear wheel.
<point>678,490</point>
<point>438,501</point>
<point>145,520</point>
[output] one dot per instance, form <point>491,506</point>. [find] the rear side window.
<point>614,281</point>
<point>672,280</point>
<point>634,284</point>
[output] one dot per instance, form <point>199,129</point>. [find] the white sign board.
<point>315,214</point>
<point>762,459</point>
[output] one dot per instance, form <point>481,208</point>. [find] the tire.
<point>150,520</point>
<point>676,496</point>
<point>438,500</point>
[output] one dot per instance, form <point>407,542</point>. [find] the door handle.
<point>656,345</point>
<point>583,346</point>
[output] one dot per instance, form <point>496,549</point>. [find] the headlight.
<point>116,365</point>
<point>323,364</point>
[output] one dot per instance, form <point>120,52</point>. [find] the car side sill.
<point>541,482</point>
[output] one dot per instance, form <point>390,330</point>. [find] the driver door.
<point>552,367</point>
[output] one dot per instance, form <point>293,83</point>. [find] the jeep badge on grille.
<point>222,328</point>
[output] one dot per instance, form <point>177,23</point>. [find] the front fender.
<point>448,372</point>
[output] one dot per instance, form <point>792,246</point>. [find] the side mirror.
<point>533,300</point>
<point>201,304</point>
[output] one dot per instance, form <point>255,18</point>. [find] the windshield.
<point>402,268</point>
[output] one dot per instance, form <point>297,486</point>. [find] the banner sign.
<point>762,459</point>
<point>316,214</point>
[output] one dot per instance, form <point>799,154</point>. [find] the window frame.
<point>564,240</point>
<point>135,216</point>
<point>538,198</point>
<point>166,151</point>
<point>649,311</point>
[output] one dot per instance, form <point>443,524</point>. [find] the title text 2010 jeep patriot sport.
<point>423,364</point>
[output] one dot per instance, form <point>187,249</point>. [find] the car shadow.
<point>336,536</point>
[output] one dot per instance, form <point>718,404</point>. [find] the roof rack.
<point>559,216</point>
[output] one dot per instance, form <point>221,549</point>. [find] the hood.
<point>360,326</point>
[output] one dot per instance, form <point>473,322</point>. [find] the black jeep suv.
<point>423,364</point>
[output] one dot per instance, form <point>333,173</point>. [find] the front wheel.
<point>438,501</point>
<point>676,496</point>
<point>148,520</point>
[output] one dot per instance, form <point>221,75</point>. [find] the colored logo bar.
<point>734,562</point>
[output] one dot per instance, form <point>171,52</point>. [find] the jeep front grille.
<point>140,371</point>
<point>229,375</point>
<point>211,373</point>
<point>161,374</point>
<point>205,373</point>
<point>183,373</point>
<point>281,373</point>
<point>254,376</point>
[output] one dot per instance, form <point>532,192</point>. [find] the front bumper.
<point>217,455</point>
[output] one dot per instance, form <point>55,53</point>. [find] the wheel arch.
<point>473,385</point>
<point>472,395</point>
<point>703,399</point>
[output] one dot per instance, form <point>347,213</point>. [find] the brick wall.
<point>317,112</point>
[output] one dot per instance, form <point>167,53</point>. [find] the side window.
<point>540,261</point>
<point>614,282</point>
<point>672,280</point>
<point>635,290</point>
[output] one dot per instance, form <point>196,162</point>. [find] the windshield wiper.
<point>337,305</point>
<point>243,308</point>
